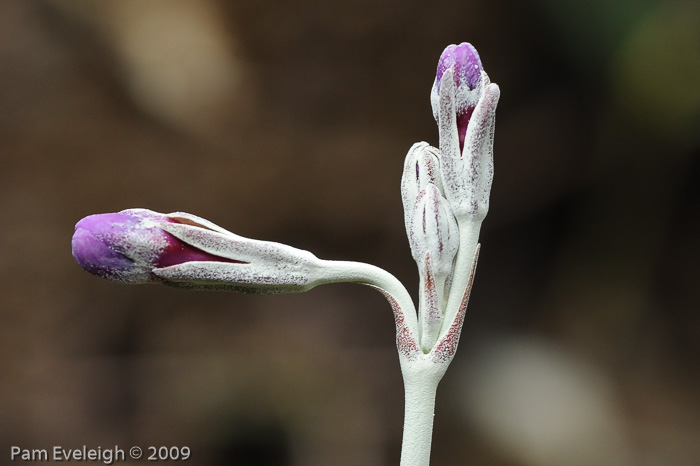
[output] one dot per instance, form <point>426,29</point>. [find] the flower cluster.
<point>445,194</point>
<point>445,191</point>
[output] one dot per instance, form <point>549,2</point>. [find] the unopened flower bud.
<point>128,245</point>
<point>434,231</point>
<point>421,167</point>
<point>464,104</point>
<point>185,251</point>
<point>465,76</point>
<point>434,239</point>
<point>467,179</point>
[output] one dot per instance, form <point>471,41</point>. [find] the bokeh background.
<point>289,121</point>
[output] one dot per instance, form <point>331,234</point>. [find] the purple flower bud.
<point>128,245</point>
<point>464,103</point>
<point>465,63</point>
<point>186,251</point>
<point>466,75</point>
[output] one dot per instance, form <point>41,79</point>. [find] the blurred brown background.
<point>289,121</point>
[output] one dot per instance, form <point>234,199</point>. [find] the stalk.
<point>464,263</point>
<point>420,388</point>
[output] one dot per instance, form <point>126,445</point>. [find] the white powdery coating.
<point>467,177</point>
<point>235,247</point>
<point>434,230</point>
<point>240,277</point>
<point>266,267</point>
<point>447,117</point>
<point>143,244</point>
<point>184,217</point>
<point>464,97</point>
<point>429,311</point>
<point>421,166</point>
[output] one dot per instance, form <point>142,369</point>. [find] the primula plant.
<point>445,196</point>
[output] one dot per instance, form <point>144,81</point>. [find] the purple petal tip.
<point>104,245</point>
<point>465,63</point>
<point>95,257</point>
<point>128,245</point>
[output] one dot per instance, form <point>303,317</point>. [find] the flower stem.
<point>418,419</point>
<point>367,274</point>
<point>464,262</point>
<point>421,371</point>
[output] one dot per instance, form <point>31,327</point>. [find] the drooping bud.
<point>185,251</point>
<point>128,245</point>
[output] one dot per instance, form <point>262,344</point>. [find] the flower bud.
<point>434,239</point>
<point>433,231</point>
<point>128,245</point>
<point>421,167</point>
<point>185,251</point>
<point>467,179</point>
<point>465,77</point>
<point>464,104</point>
